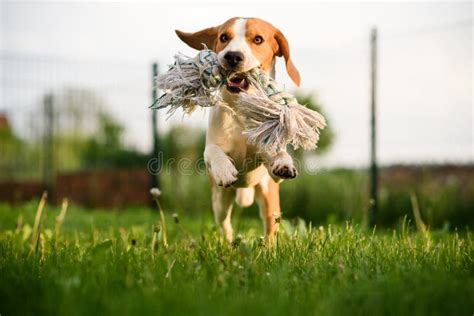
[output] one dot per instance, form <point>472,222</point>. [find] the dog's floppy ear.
<point>195,40</point>
<point>284,50</point>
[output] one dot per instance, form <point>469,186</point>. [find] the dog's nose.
<point>234,58</point>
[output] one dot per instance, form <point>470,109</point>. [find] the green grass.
<point>103,262</point>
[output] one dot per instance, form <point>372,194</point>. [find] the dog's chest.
<point>226,130</point>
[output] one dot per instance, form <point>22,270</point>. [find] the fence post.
<point>48,143</point>
<point>155,179</point>
<point>373,208</point>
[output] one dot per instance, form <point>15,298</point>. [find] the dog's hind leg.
<point>245,196</point>
<point>222,202</point>
<point>268,198</point>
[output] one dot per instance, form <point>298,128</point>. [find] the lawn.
<point>105,262</point>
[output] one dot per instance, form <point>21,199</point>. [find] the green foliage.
<point>85,137</point>
<point>107,150</point>
<point>104,263</point>
<point>181,141</point>
<point>332,196</point>
<point>10,149</point>
<point>327,135</point>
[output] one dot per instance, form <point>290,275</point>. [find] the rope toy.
<point>273,119</point>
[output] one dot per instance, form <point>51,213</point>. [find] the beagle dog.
<point>238,171</point>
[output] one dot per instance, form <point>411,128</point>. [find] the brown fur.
<point>274,44</point>
<point>268,199</point>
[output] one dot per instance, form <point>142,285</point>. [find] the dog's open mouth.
<point>237,83</point>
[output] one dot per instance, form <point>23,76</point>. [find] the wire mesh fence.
<point>53,109</point>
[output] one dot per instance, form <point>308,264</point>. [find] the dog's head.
<point>242,44</point>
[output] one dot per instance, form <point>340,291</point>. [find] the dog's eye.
<point>223,38</point>
<point>258,40</point>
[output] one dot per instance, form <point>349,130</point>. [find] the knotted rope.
<point>273,119</point>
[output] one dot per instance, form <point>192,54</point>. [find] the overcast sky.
<point>425,78</point>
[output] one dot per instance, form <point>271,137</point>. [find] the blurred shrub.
<point>329,196</point>
<point>182,141</point>
<point>340,195</point>
<point>445,195</point>
<point>106,150</point>
<point>10,148</point>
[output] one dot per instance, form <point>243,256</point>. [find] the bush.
<point>342,194</point>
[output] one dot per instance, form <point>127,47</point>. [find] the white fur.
<point>222,200</point>
<point>245,196</point>
<point>239,44</point>
<point>281,161</point>
<point>236,167</point>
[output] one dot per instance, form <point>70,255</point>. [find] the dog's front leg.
<point>222,202</point>
<point>220,166</point>
<point>223,174</point>
<point>281,165</point>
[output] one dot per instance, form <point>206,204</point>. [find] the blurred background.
<point>76,84</point>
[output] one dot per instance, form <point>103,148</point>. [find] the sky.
<point>425,78</point>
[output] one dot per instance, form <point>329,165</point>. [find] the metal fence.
<point>50,106</point>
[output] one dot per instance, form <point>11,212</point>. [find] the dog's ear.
<point>284,50</point>
<point>196,40</point>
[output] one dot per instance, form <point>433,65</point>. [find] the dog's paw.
<point>224,173</point>
<point>284,168</point>
<point>285,171</point>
